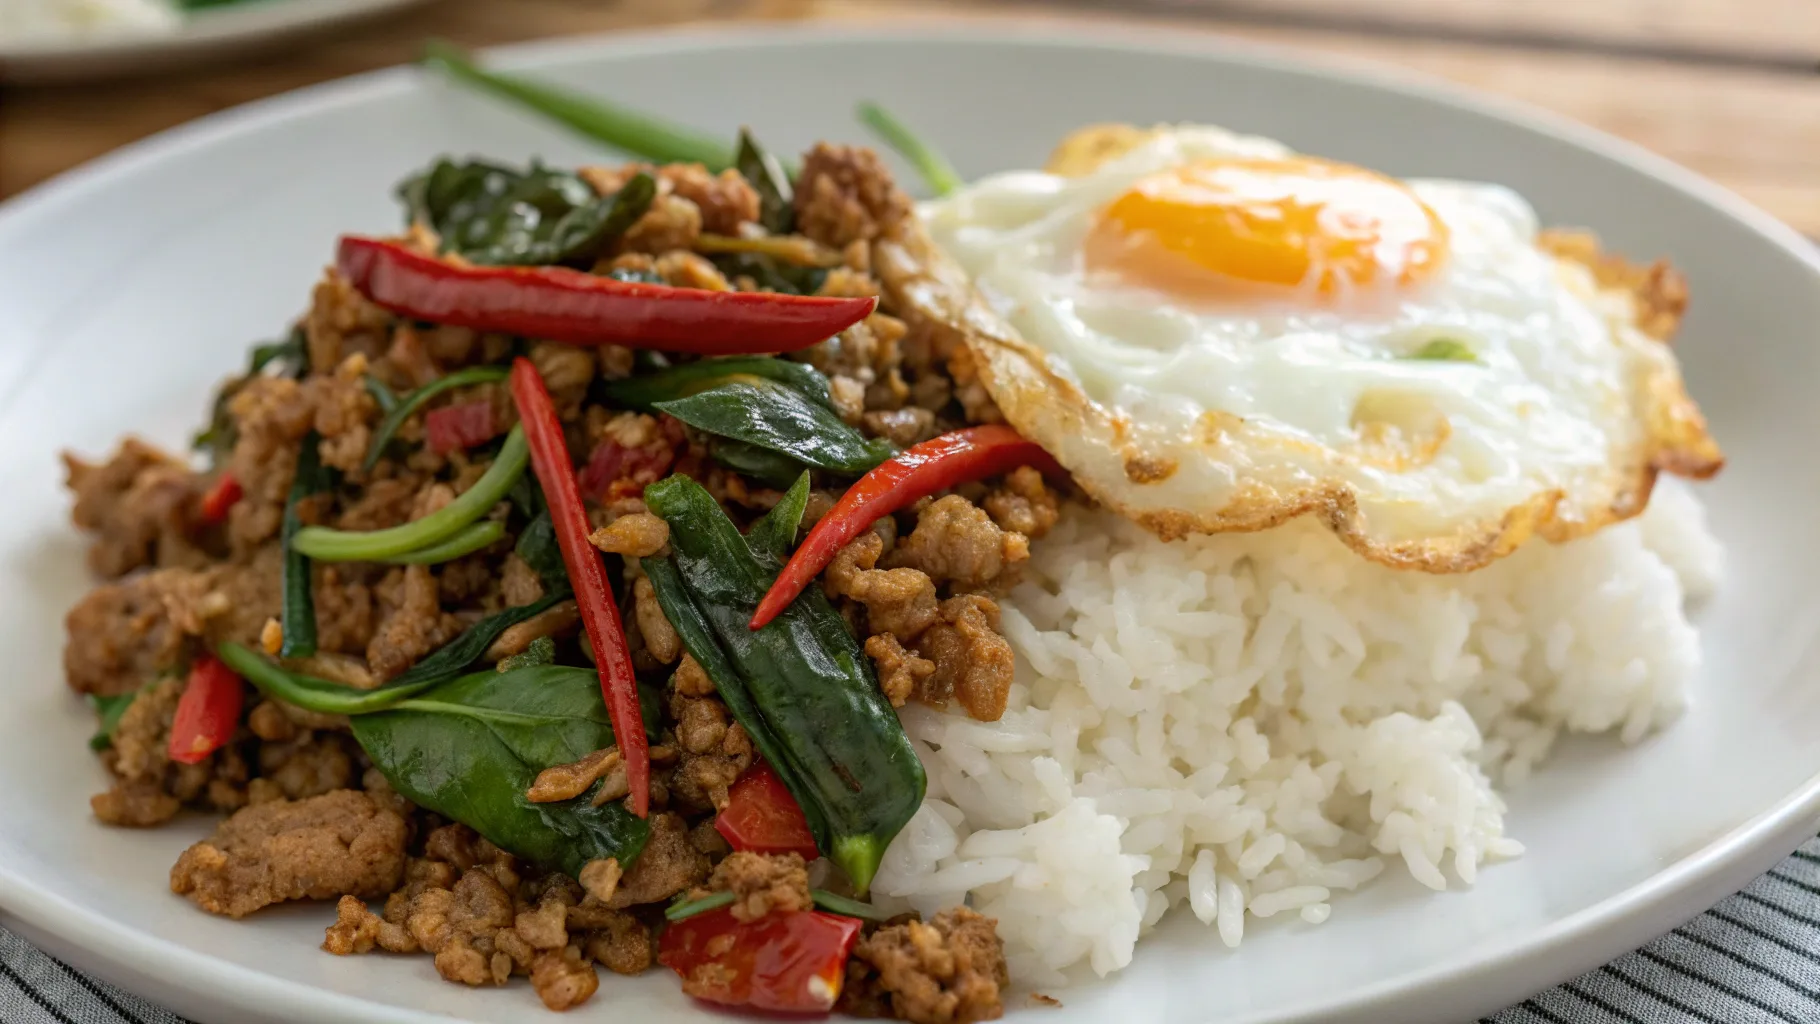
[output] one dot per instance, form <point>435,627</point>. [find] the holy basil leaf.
<point>776,209</point>
<point>541,652</point>
<point>762,465</point>
<point>771,274</point>
<point>772,537</point>
<point>497,215</point>
<point>772,416</point>
<point>646,388</point>
<point>538,548</point>
<point>471,748</point>
<point>109,710</point>
<point>290,357</point>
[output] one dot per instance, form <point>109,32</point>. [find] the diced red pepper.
<point>587,576</point>
<point>761,816</point>
<point>611,462</point>
<point>460,426</point>
<point>560,304</point>
<point>913,474</point>
<point>208,712</point>
<point>789,962</point>
<point>220,497</point>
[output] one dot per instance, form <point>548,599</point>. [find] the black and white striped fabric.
<point>1753,959</point>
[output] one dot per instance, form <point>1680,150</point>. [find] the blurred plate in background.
<point>204,33</point>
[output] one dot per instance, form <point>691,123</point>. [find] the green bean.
<point>404,408</point>
<point>466,542</point>
<point>617,126</point>
<point>937,172</point>
<point>330,545</point>
<point>834,904</point>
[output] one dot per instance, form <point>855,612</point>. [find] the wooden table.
<point>1730,88</point>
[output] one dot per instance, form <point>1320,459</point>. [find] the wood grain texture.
<point>1753,125</point>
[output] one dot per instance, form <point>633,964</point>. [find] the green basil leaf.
<point>470,749</point>
<point>497,215</point>
<point>771,274</point>
<point>769,415</point>
<point>538,548</point>
<point>644,390</point>
<point>766,467</point>
<point>298,610</point>
<point>773,537</point>
<point>110,710</point>
<point>776,199</point>
<point>290,356</point>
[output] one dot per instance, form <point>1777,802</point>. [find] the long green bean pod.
<point>936,171</point>
<point>330,545</point>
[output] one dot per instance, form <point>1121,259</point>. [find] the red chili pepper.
<point>762,816</point>
<point>611,462</point>
<point>207,712</point>
<point>587,576</point>
<point>788,962</point>
<point>219,498</point>
<point>915,473</point>
<point>567,305</point>
<point>460,426</point>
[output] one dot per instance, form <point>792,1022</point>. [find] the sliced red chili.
<point>792,962</point>
<point>761,816</point>
<point>913,474</point>
<point>208,712</point>
<point>220,497</point>
<point>560,304</point>
<point>611,462</point>
<point>460,426</point>
<point>587,576</point>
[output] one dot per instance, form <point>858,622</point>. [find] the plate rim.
<point>53,58</point>
<point>1553,953</point>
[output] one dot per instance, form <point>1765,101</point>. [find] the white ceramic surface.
<point>129,287</point>
<point>205,34</point>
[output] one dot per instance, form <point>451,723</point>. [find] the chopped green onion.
<point>937,172</point>
<point>383,396</point>
<point>1444,350</point>
<point>466,542</point>
<point>331,545</point>
<point>403,409</point>
<point>683,909</point>
<point>847,907</point>
<point>617,126</point>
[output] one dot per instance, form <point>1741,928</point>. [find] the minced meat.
<point>339,844</point>
<point>948,971</point>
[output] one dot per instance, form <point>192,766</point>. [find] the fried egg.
<point>1214,333</point>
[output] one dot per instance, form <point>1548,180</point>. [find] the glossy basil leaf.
<point>760,465</point>
<point>538,548</point>
<point>644,390</point>
<point>774,536</point>
<point>772,274</point>
<point>801,687</point>
<point>109,710</point>
<point>497,215</point>
<point>776,206</point>
<point>769,415</point>
<point>470,749</point>
<point>298,609</point>
<point>290,357</point>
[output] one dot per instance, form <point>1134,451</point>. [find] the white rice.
<point>1252,725</point>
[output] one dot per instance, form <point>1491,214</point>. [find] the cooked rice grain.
<point>1252,724</point>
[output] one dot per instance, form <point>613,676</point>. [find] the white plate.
<point>203,34</point>
<point>129,287</point>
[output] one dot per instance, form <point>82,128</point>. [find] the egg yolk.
<point>1296,223</point>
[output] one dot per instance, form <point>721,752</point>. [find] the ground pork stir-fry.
<point>365,426</point>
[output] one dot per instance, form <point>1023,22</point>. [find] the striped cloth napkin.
<point>1753,959</point>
